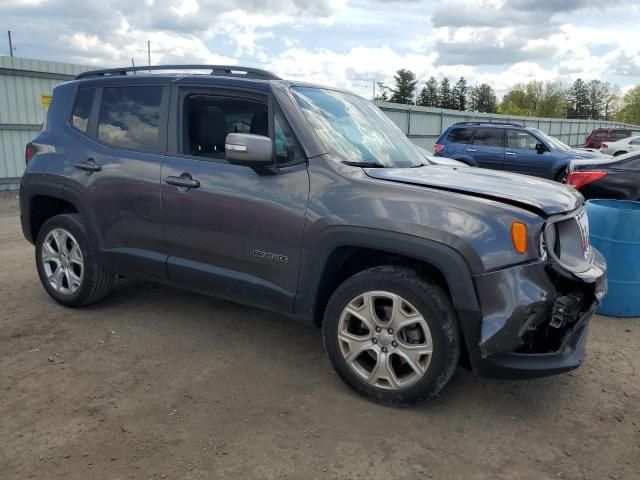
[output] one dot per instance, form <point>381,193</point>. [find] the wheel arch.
<point>343,251</point>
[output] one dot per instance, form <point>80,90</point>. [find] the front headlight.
<point>565,240</point>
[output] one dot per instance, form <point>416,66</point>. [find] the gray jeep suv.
<point>309,201</point>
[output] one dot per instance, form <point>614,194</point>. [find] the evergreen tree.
<point>405,89</point>
<point>460,92</point>
<point>429,93</point>
<point>483,98</point>
<point>579,97</point>
<point>445,97</point>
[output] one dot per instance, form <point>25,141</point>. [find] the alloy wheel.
<point>62,261</point>
<point>385,340</point>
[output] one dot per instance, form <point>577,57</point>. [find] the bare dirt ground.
<point>160,383</point>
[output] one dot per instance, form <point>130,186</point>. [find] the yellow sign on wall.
<point>45,100</point>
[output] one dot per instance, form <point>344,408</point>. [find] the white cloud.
<point>346,43</point>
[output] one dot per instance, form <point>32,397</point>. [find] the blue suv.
<point>508,146</point>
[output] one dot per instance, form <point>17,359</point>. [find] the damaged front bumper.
<point>533,319</point>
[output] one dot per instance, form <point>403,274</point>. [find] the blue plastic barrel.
<point>614,227</point>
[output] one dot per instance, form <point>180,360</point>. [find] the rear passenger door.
<point>521,155</point>
<point>487,148</point>
<point>236,233</point>
<point>118,136</point>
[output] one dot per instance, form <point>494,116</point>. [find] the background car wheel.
<point>560,175</point>
<point>67,264</point>
<point>617,154</point>
<point>392,335</point>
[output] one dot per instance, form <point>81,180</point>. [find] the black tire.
<point>617,154</point>
<point>560,175</point>
<point>96,281</point>
<point>434,306</point>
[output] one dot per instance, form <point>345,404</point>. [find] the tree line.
<point>593,99</point>
<point>439,94</point>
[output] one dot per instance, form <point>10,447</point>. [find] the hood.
<point>521,190</point>
<point>580,154</point>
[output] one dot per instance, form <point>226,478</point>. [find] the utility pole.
<point>149,54</point>
<point>133,65</point>
<point>10,44</point>
<point>373,82</point>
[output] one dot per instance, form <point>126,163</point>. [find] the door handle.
<point>471,150</point>
<point>509,153</point>
<point>183,181</point>
<point>89,166</point>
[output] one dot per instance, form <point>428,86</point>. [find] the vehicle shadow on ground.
<point>206,316</point>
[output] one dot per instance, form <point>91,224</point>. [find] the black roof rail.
<point>218,70</point>
<point>492,123</point>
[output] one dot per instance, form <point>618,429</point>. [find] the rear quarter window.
<point>130,117</point>
<point>460,135</point>
<point>599,134</point>
<point>82,109</point>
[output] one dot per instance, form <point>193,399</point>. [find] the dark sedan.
<point>617,178</point>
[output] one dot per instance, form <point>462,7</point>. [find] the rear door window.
<point>130,117</point>
<point>620,134</point>
<point>489,137</point>
<point>460,135</point>
<point>82,109</point>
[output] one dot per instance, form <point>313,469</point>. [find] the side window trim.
<point>92,126</point>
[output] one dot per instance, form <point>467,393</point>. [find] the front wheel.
<point>67,263</point>
<point>391,335</point>
<point>617,154</point>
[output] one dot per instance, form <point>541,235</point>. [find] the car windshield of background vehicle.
<point>355,129</point>
<point>554,142</point>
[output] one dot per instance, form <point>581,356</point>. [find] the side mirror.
<point>541,147</point>
<point>248,149</point>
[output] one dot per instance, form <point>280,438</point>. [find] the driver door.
<point>235,233</point>
<point>521,155</point>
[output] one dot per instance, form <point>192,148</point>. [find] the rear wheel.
<point>617,154</point>
<point>391,335</point>
<point>67,263</point>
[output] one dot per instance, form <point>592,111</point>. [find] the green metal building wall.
<point>22,82</point>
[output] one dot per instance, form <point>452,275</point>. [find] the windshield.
<point>355,129</point>
<point>554,142</point>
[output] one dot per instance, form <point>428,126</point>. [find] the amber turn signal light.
<point>519,236</point>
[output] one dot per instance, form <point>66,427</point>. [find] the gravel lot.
<point>160,383</point>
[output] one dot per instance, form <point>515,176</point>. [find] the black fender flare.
<point>36,185</point>
<point>315,256</point>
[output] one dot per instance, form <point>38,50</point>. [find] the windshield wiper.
<point>364,164</point>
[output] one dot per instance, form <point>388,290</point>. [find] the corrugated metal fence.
<point>22,83</point>
<point>423,125</point>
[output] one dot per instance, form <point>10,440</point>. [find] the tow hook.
<point>565,310</point>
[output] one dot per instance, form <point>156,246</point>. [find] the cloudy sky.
<point>347,43</point>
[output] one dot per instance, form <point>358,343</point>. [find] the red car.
<point>599,135</point>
